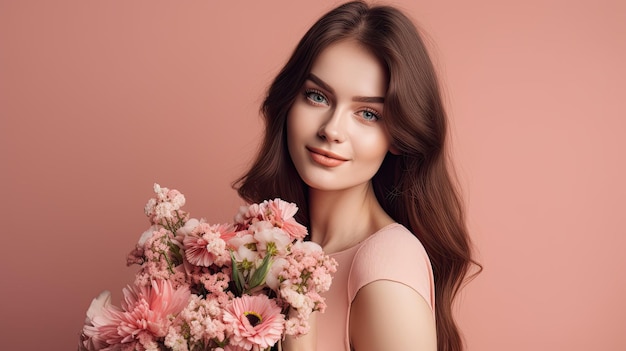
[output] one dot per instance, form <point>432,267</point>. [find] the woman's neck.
<point>342,219</point>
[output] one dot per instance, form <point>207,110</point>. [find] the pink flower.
<point>160,258</point>
<point>305,274</point>
<point>149,208</point>
<point>169,195</point>
<point>198,325</point>
<point>278,212</point>
<point>90,338</point>
<point>248,214</point>
<point>206,244</point>
<point>178,255</point>
<point>256,320</point>
<point>281,214</point>
<point>144,315</point>
<point>147,235</point>
<point>165,208</point>
<point>176,198</point>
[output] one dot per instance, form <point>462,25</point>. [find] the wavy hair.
<point>415,187</point>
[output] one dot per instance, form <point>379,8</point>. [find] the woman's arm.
<point>387,315</point>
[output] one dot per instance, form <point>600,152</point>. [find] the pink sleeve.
<point>393,254</point>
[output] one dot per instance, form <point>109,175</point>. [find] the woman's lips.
<point>325,158</point>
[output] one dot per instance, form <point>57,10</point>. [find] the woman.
<point>355,135</point>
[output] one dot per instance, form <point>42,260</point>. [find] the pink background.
<point>99,99</point>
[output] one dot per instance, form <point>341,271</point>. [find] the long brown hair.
<point>414,187</point>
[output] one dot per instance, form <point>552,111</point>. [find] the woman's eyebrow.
<point>317,80</point>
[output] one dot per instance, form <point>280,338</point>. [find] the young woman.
<point>355,135</point>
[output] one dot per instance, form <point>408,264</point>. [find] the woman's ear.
<point>394,150</point>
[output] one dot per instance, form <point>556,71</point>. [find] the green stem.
<point>169,263</point>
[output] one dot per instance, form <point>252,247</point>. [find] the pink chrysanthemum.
<point>256,320</point>
<point>91,340</point>
<point>144,315</point>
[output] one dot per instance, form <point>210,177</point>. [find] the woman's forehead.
<point>348,67</point>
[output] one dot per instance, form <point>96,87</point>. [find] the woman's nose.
<point>334,128</point>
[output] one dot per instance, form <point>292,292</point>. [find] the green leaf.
<point>237,275</point>
<point>259,275</point>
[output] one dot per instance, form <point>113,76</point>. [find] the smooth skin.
<point>337,142</point>
<point>387,315</point>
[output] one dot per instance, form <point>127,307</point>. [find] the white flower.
<point>178,200</point>
<point>160,192</point>
<point>164,210</point>
<point>189,226</point>
<point>147,234</point>
<point>242,250</point>
<point>272,279</point>
<point>272,235</point>
<point>149,209</point>
<point>97,305</point>
<point>295,299</point>
<point>308,247</point>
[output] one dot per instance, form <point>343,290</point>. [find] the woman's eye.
<point>316,97</point>
<point>370,115</point>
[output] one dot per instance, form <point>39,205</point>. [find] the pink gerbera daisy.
<point>256,321</point>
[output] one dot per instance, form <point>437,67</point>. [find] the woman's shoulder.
<point>392,238</point>
<point>391,247</point>
<point>393,253</point>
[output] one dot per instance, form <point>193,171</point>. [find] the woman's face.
<point>335,134</point>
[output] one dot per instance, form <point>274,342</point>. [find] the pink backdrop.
<point>99,99</point>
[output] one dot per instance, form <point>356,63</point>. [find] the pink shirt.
<point>392,253</point>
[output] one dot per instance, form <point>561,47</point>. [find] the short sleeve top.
<point>392,253</point>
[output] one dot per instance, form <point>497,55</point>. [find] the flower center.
<point>253,317</point>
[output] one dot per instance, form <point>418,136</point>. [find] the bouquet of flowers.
<point>236,286</point>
